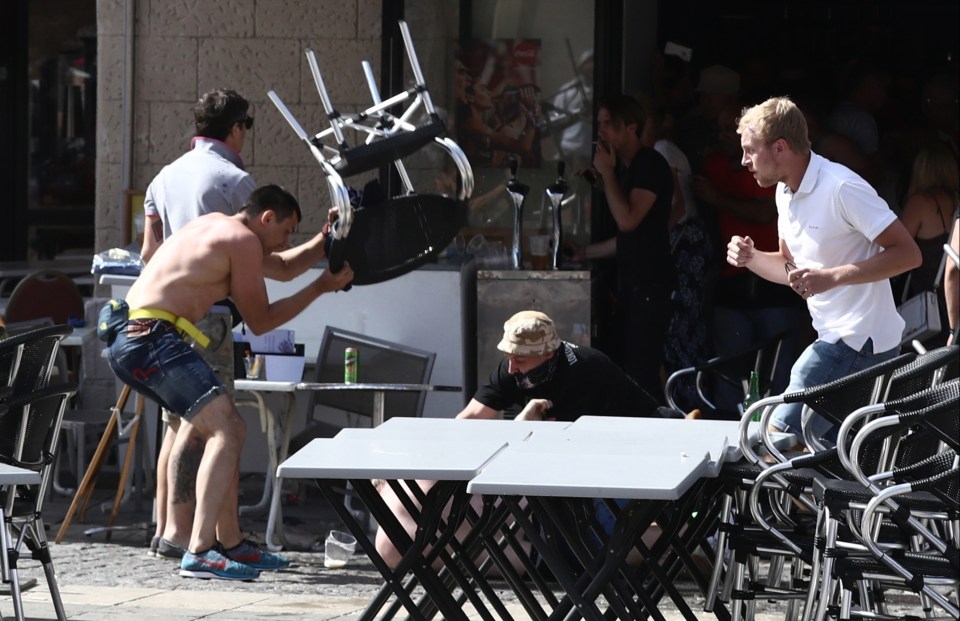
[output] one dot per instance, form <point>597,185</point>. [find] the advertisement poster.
<point>497,90</point>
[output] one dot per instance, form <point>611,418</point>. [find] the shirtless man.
<point>212,257</point>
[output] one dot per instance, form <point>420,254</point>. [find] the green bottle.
<point>753,395</point>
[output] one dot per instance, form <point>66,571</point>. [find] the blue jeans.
<point>151,357</point>
<point>820,363</point>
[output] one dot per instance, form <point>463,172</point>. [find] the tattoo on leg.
<point>185,466</point>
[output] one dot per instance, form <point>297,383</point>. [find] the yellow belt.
<point>178,322</point>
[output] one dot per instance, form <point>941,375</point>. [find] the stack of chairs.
<point>773,509</point>
<point>31,412</point>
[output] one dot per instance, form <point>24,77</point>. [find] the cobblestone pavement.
<point>116,579</point>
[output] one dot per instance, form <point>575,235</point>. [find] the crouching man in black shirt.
<point>541,378</point>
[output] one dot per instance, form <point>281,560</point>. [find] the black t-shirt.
<point>643,254</point>
<point>586,382</point>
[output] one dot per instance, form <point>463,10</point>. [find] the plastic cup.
<point>338,548</point>
<point>540,252</point>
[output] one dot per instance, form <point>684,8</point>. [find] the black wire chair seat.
<point>406,229</point>
<point>390,239</point>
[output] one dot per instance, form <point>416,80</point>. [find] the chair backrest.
<point>10,353</point>
<point>38,357</point>
<point>27,430</point>
<point>46,293</point>
<point>379,361</point>
<point>921,373</point>
<point>836,399</point>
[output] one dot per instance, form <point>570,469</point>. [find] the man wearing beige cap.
<point>544,378</point>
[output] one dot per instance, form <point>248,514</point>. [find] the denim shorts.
<point>152,358</point>
<point>820,363</point>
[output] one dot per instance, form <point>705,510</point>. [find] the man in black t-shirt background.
<point>544,378</point>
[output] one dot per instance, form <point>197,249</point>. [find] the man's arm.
<point>249,291</point>
<point>627,211</point>
<point>475,409</point>
<point>951,280</point>
<point>900,254</point>
<point>287,265</point>
<point>152,236</point>
<point>741,252</point>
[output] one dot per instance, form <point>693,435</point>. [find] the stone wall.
<point>185,47</point>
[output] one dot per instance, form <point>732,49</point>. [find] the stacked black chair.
<point>30,418</point>
<point>28,438</point>
<point>783,536</point>
<point>745,540</point>
<point>887,532</point>
<point>733,370</point>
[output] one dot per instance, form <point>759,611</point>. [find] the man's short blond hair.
<point>777,117</point>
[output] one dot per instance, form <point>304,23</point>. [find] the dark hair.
<point>624,109</point>
<point>272,197</point>
<point>217,111</point>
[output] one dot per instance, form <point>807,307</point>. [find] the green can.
<point>350,362</point>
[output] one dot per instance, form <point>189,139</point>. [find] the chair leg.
<point>718,564</point>
<point>35,530</point>
<point>15,594</point>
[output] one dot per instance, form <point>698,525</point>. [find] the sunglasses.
<point>246,122</point>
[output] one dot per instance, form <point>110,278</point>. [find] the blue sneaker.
<point>258,558</point>
<point>213,564</point>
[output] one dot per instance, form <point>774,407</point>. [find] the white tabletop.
<point>592,470</point>
<point>382,457</point>
<point>447,429</point>
<point>12,475</point>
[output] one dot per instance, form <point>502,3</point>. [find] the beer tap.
<point>518,192</point>
<point>555,194</point>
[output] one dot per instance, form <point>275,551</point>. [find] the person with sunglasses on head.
<point>209,178</point>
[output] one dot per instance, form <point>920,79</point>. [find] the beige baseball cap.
<point>529,333</point>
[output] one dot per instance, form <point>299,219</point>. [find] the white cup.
<point>338,548</point>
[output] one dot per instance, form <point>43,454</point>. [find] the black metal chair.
<point>37,357</point>
<point>384,238</point>
<point>731,370</point>
<point>28,438</point>
<point>739,536</point>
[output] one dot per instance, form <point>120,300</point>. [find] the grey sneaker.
<point>169,549</point>
<point>213,564</point>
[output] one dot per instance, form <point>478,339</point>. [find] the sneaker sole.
<point>262,568</point>
<point>210,575</point>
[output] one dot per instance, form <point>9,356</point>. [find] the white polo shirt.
<point>832,220</point>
